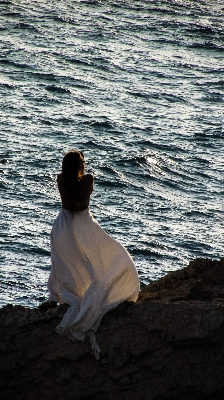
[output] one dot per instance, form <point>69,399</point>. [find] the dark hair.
<point>70,174</point>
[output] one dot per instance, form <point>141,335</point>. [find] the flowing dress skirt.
<point>90,271</point>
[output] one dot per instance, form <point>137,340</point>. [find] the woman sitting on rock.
<point>90,271</point>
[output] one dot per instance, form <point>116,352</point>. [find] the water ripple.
<point>138,86</point>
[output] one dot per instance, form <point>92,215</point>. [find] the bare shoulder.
<point>88,178</point>
<point>87,183</point>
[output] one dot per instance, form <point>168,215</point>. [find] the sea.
<point>138,86</point>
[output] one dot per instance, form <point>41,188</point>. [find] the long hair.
<point>70,174</point>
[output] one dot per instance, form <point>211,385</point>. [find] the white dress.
<point>91,272</point>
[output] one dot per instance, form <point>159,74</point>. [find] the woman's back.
<point>79,199</point>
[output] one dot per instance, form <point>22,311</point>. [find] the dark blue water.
<point>139,87</point>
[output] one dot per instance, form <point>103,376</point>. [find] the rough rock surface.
<point>169,345</point>
<point>203,279</point>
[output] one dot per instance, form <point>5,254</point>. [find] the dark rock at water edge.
<point>203,279</point>
<point>169,345</point>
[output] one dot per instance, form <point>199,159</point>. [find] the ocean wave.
<point>169,97</point>
<point>99,124</point>
<point>145,252</point>
<point>170,147</point>
<point>43,75</point>
<point>207,45</point>
<point>14,64</point>
<point>25,26</point>
<point>57,89</point>
<point>138,86</point>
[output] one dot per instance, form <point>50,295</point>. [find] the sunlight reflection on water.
<point>140,91</point>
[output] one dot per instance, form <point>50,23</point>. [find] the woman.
<point>90,271</point>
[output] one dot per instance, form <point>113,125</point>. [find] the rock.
<point>203,280</point>
<point>169,345</point>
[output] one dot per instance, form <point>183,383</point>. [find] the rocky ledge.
<point>168,345</point>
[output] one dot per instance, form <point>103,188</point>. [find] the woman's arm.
<point>88,181</point>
